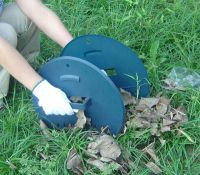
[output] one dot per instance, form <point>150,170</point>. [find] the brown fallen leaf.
<point>74,162</point>
<point>97,163</point>
<point>154,168</point>
<point>149,102</point>
<point>81,119</point>
<point>164,100</point>
<point>177,117</point>
<point>151,115</point>
<point>109,148</point>
<point>90,154</point>
<point>92,135</point>
<point>161,108</point>
<point>159,94</point>
<point>106,146</point>
<point>107,160</point>
<point>141,108</point>
<point>155,114</point>
<point>131,110</point>
<point>165,128</point>
<point>150,150</point>
<point>128,99</point>
<point>138,122</point>
<point>154,129</point>
<point>92,149</point>
<point>167,122</point>
<point>180,115</point>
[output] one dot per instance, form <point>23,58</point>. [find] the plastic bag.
<point>181,78</point>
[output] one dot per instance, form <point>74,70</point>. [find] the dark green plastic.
<point>79,78</point>
<point>115,58</point>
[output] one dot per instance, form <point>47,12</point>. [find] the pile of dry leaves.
<point>104,153</point>
<point>154,113</point>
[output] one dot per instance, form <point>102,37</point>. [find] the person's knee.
<point>8,33</point>
<point>13,15</point>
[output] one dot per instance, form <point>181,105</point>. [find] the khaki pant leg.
<point>22,34</point>
<point>8,33</point>
<point>27,32</point>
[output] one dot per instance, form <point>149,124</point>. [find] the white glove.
<point>52,100</point>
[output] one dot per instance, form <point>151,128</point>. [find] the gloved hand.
<point>52,100</point>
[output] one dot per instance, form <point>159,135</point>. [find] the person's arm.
<point>46,20</point>
<point>51,99</point>
<point>17,66</point>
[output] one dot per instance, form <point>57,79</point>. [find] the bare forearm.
<point>17,66</point>
<point>46,20</point>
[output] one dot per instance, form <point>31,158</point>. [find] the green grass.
<point>164,33</point>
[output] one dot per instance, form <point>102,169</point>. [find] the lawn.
<point>165,34</point>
